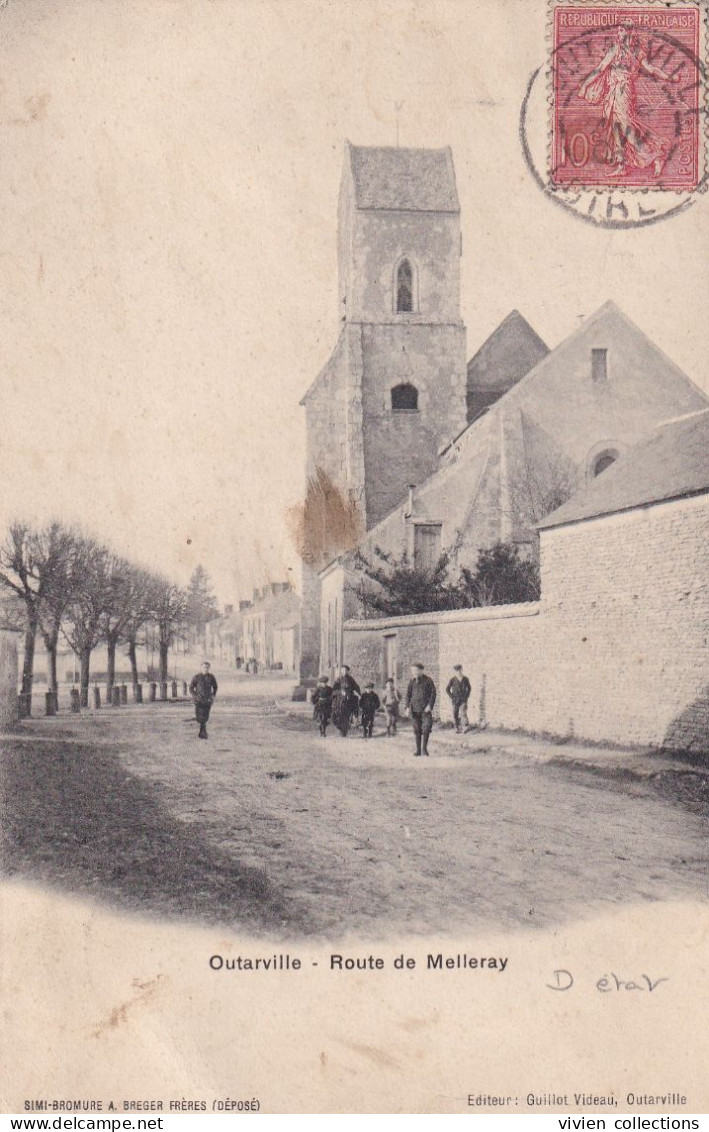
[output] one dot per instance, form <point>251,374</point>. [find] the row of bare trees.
<point>62,583</point>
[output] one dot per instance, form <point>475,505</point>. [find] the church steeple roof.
<point>393,178</point>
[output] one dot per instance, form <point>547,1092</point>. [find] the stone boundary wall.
<point>617,651</point>
<point>626,637</point>
<point>440,640</point>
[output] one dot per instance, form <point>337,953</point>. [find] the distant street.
<point>270,827</point>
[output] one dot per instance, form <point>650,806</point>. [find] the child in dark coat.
<point>368,706</point>
<point>321,699</point>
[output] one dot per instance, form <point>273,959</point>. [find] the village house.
<point>270,628</point>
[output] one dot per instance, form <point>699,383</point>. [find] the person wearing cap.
<point>203,689</point>
<point>420,700</point>
<point>322,704</point>
<point>458,689</point>
<point>369,704</point>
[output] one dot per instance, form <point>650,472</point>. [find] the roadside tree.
<point>36,566</point>
<point>169,610</point>
<point>91,596</point>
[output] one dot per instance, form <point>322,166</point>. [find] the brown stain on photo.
<point>36,106</point>
<point>413,1025</point>
<point>378,1057</point>
<point>328,523</point>
<point>119,1015</point>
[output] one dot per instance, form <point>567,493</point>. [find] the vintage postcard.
<point>354,561</point>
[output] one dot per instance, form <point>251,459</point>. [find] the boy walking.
<point>203,689</point>
<point>458,688</point>
<point>321,699</point>
<point>392,699</point>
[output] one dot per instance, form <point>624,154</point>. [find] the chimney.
<point>244,605</point>
<point>412,488</point>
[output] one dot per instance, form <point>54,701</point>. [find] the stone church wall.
<point>325,417</point>
<point>431,243</point>
<point>401,448</point>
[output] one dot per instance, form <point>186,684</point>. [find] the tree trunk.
<point>85,661</point>
<point>111,666</point>
<point>133,657</point>
<point>52,667</point>
<point>28,664</point>
<point>164,650</point>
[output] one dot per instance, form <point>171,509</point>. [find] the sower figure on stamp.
<point>203,689</point>
<point>614,85</point>
<point>322,704</point>
<point>368,707</point>
<point>458,688</point>
<point>420,698</point>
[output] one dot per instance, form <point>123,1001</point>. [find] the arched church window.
<point>404,286</point>
<point>405,398</point>
<point>604,461</point>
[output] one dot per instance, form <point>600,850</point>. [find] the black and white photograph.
<point>354,557</point>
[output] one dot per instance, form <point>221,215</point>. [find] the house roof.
<point>672,463</point>
<point>507,355</point>
<point>609,310</point>
<point>416,180</point>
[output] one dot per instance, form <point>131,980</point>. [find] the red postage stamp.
<point>627,96</point>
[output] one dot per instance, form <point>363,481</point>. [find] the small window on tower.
<point>599,365</point>
<point>404,398</point>
<point>404,286</point>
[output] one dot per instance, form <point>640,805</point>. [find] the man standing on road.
<point>458,688</point>
<point>203,689</point>
<point>420,698</point>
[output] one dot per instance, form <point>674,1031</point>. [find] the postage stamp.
<point>627,84</point>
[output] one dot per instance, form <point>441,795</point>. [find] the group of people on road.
<point>344,704</point>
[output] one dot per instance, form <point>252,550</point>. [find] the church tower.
<point>393,393</point>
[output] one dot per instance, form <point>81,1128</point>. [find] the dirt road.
<point>270,827</point>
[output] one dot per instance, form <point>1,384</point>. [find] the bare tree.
<point>537,486</point>
<point>142,601</point>
<point>56,598</point>
<point>169,611</point>
<point>117,611</point>
<point>91,597</point>
<point>12,613</point>
<point>326,524</point>
<point>33,566</point>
